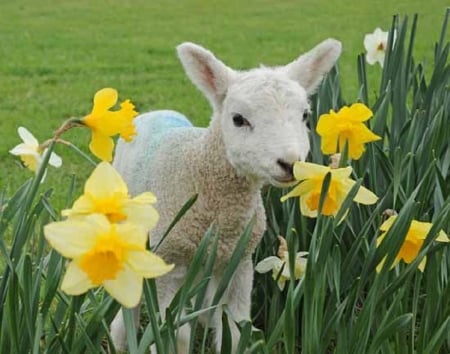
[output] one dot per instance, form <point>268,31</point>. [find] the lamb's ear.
<point>207,72</point>
<point>309,69</point>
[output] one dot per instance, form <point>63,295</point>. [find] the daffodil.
<point>344,126</point>
<point>31,153</point>
<point>311,177</point>
<point>105,123</point>
<point>105,254</point>
<point>106,193</point>
<point>375,44</point>
<point>280,265</point>
<point>413,242</point>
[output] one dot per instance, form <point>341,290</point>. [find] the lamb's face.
<point>263,119</point>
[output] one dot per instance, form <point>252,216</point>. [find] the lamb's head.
<point>261,113</point>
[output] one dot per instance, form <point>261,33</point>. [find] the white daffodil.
<point>280,266</point>
<point>375,44</point>
<point>31,153</point>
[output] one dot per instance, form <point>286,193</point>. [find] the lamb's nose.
<point>286,166</point>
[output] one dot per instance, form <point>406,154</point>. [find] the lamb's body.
<point>175,161</point>
<point>256,133</point>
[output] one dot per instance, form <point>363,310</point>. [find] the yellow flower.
<point>413,242</point>
<point>102,253</point>
<point>31,153</point>
<point>346,125</point>
<point>106,193</point>
<point>312,175</point>
<point>105,123</point>
<point>281,264</point>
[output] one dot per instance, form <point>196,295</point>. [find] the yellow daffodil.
<point>107,254</point>
<point>344,126</point>
<point>309,189</point>
<point>105,123</point>
<point>106,193</point>
<point>31,153</point>
<point>281,264</point>
<point>413,242</point>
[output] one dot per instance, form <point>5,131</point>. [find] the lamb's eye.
<point>240,121</point>
<point>305,115</point>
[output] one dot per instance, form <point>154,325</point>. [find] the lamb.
<point>257,131</point>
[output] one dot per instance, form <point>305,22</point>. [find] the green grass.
<point>55,54</point>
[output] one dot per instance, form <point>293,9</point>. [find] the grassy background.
<point>55,54</point>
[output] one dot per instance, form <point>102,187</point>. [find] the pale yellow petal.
<point>146,198</point>
<point>307,170</point>
<point>105,181</point>
<point>126,288</point>
<point>442,237</point>
<point>341,173</point>
<point>300,189</point>
<point>104,99</point>
<point>24,149</point>
<point>101,146</point>
<point>422,264</point>
<point>267,264</point>
<point>365,196</point>
<point>83,205</point>
<point>388,223</point>
<point>141,214</point>
<point>71,238</point>
<point>75,281</point>
<point>132,234</point>
<point>147,264</point>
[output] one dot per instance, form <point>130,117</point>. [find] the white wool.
<point>225,164</point>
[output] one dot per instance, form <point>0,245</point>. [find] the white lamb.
<point>257,132</point>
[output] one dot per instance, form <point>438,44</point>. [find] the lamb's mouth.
<point>285,181</point>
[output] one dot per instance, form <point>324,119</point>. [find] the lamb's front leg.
<point>238,299</point>
<point>118,332</point>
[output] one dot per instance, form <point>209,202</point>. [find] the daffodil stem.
<point>81,153</point>
<point>67,125</point>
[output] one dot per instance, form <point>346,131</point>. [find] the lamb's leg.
<point>238,299</point>
<point>118,332</point>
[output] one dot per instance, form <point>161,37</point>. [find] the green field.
<point>54,55</point>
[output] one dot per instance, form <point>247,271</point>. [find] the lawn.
<point>55,54</point>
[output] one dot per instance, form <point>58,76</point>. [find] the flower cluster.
<point>105,235</point>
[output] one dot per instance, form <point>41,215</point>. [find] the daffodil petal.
<point>75,281</point>
<point>267,264</point>
<point>360,112</point>
<point>365,196</point>
<point>71,238</point>
<point>24,149</point>
<point>132,234</point>
<point>148,264</point>
<point>82,205</point>
<point>27,137</point>
<point>141,214</point>
<point>104,99</point>
<point>442,237</point>
<point>126,288</point>
<point>146,198</point>
<point>307,170</point>
<point>422,264</point>
<point>101,146</point>
<point>105,181</point>
<point>299,190</point>
<point>385,226</point>
<point>55,160</point>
